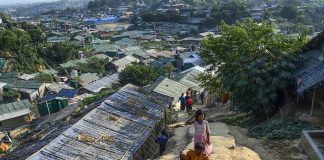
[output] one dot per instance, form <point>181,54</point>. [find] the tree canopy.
<point>169,16</point>
<point>230,12</point>
<point>252,64</point>
<point>102,4</point>
<point>15,46</point>
<point>138,75</point>
<point>60,53</point>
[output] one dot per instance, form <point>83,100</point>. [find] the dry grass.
<point>112,118</point>
<point>85,138</point>
<point>107,138</point>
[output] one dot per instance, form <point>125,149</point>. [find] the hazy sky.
<point>10,2</point>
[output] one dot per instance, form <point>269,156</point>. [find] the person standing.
<point>202,97</point>
<point>189,105</point>
<point>201,130</point>
<point>182,102</point>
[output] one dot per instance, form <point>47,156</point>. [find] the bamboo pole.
<point>313,102</point>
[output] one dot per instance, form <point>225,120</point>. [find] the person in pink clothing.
<point>201,130</point>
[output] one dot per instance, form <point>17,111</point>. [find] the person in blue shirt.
<point>162,140</point>
<point>182,102</point>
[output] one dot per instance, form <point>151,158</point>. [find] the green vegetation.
<point>169,16</point>
<point>45,77</point>
<point>139,75</point>
<point>16,45</point>
<point>280,129</point>
<point>59,53</point>
<point>94,65</point>
<point>228,12</point>
<point>11,93</point>
<point>102,4</point>
<point>253,64</point>
<point>87,101</point>
<point>241,119</point>
<point>24,47</point>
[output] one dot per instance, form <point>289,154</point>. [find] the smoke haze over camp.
<point>15,2</point>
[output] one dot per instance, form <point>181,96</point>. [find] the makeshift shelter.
<point>310,76</point>
<point>15,114</point>
<point>67,93</point>
<point>56,87</point>
<point>187,60</point>
<point>87,78</point>
<point>123,127</point>
<point>171,88</point>
<point>30,89</point>
<point>102,83</point>
<point>190,77</point>
<point>120,64</point>
<point>51,105</point>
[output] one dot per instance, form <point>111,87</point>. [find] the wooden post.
<point>313,102</point>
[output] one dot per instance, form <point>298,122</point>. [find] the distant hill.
<point>45,6</point>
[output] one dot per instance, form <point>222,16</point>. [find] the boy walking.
<point>162,140</point>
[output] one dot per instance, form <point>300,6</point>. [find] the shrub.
<point>284,128</point>
<point>89,100</point>
<point>242,120</point>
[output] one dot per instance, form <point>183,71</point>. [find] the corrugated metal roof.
<point>15,109</point>
<point>138,52</point>
<point>48,96</point>
<point>311,73</point>
<point>50,71</point>
<point>9,75</point>
<point>8,80</point>
<point>127,118</point>
<point>189,77</point>
<point>56,87</point>
<point>67,93</point>
<point>74,63</point>
<point>105,82</point>
<point>106,47</point>
<point>87,78</point>
<point>126,41</point>
<point>125,61</point>
<point>171,88</point>
<point>28,84</point>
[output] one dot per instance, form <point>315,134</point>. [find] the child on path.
<point>201,130</point>
<point>189,105</point>
<point>197,154</point>
<point>162,140</point>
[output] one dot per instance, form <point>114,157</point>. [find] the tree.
<point>138,75</point>
<point>61,52</point>
<point>15,45</point>
<point>94,65</point>
<point>252,64</point>
<point>230,12</point>
<point>289,12</point>
<point>37,35</point>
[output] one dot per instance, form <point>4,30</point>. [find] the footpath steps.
<point>224,145</point>
<point>223,142</point>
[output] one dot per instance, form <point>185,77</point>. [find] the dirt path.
<point>242,139</point>
<point>223,142</point>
